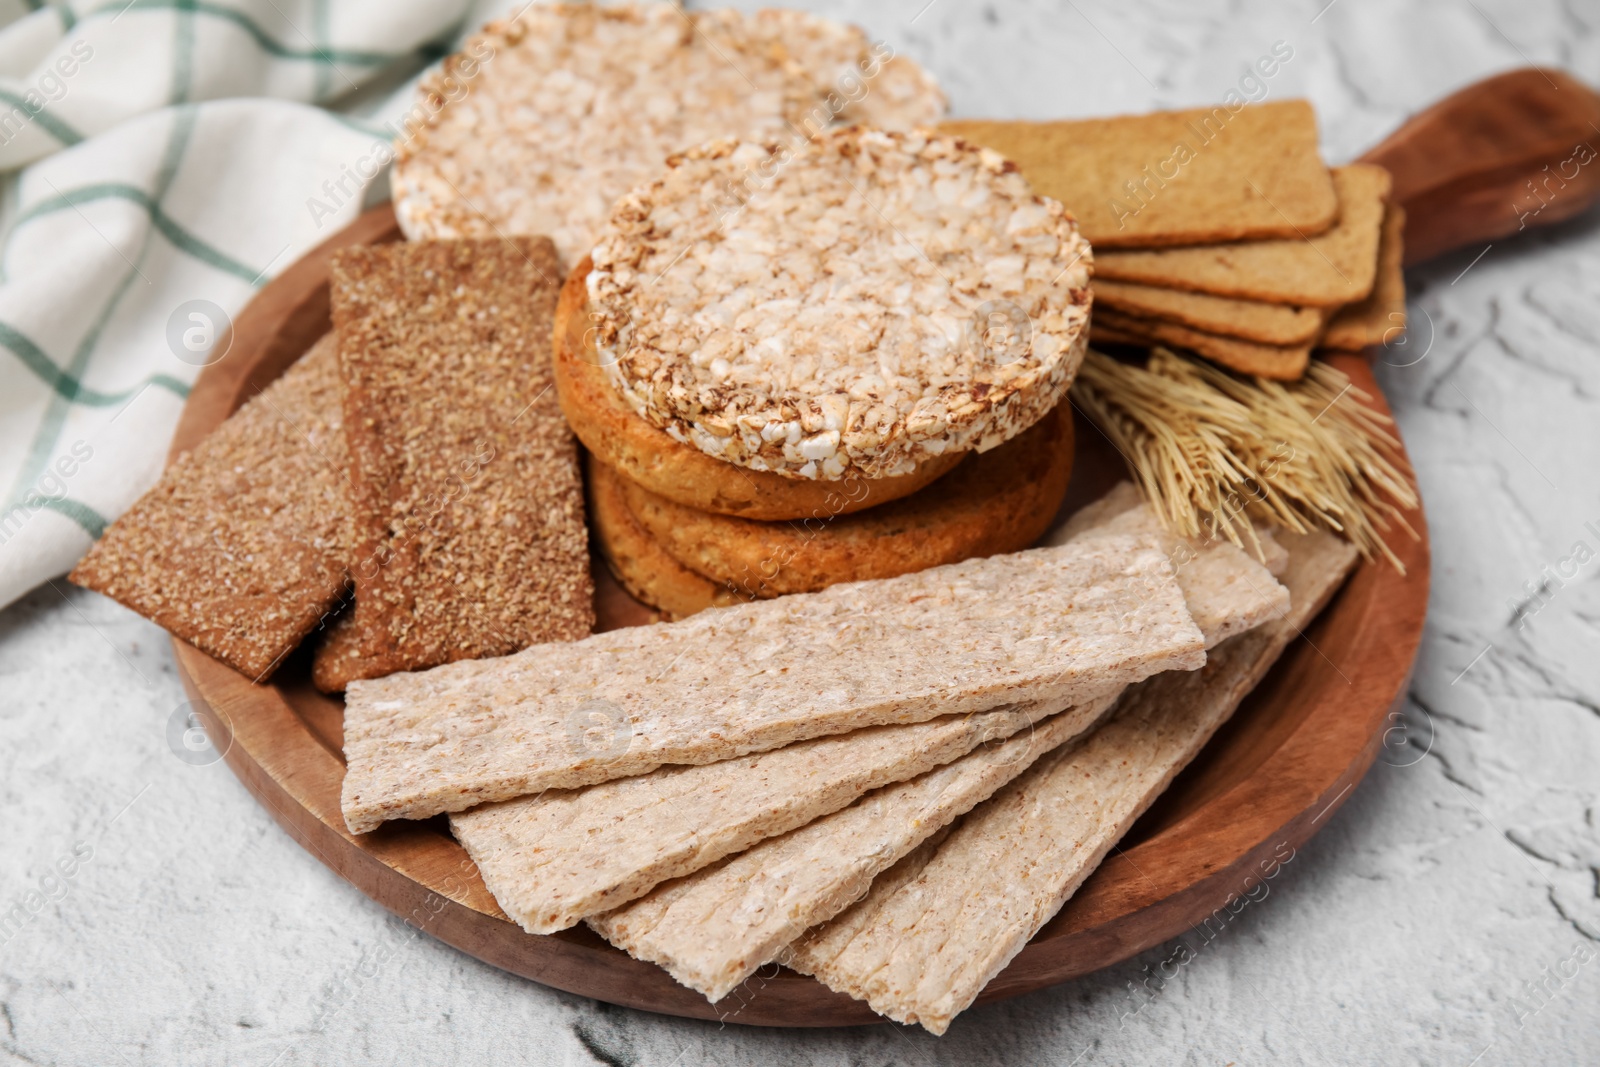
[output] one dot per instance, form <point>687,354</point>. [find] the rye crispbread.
<point>993,502</point>
<point>1380,319</point>
<point>1250,320</point>
<point>643,567</point>
<point>543,120</point>
<point>1175,177</point>
<point>787,884</point>
<point>1326,270</point>
<point>553,859</point>
<point>922,948</point>
<point>1281,362</point>
<point>651,457</point>
<point>468,503</point>
<point>241,547</point>
<point>1046,624</point>
<point>805,327</point>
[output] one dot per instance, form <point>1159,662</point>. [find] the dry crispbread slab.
<point>1251,320</point>
<point>784,885</point>
<point>468,502</point>
<point>1282,362</point>
<point>1047,624</point>
<point>554,859</point>
<point>241,547</point>
<point>1327,270</point>
<point>921,952</point>
<point>1125,497</point>
<point>1381,317</point>
<point>787,884</point>
<point>1175,177</point>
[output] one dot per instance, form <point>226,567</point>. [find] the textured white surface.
<point>1406,931</point>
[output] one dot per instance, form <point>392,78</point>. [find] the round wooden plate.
<point>1268,780</point>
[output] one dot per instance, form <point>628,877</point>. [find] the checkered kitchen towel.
<point>160,161</point>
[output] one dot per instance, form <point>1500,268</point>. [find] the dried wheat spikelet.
<point>1212,450</point>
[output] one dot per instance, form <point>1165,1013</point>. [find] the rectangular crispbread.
<point>1324,270</point>
<point>554,859</point>
<point>1249,320</point>
<point>1055,624</point>
<point>1282,362</point>
<point>922,947</point>
<point>713,929</point>
<point>1381,317</point>
<point>468,501</point>
<point>1226,173</point>
<point>241,547</point>
<point>784,885</point>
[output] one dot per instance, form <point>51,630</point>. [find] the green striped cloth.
<point>162,160</point>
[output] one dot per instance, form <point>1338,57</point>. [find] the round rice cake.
<point>542,121</point>
<point>639,563</point>
<point>680,472</point>
<point>862,304</point>
<point>998,501</point>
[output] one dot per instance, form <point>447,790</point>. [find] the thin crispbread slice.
<point>1047,624</point>
<point>923,951</point>
<point>1175,177</point>
<point>1123,498</point>
<point>241,547</point>
<point>787,884</point>
<point>1282,362</point>
<point>1250,320</point>
<point>1380,319</point>
<point>468,502</point>
<point>782,886</point>
<point>554,859</point>
<point>1325,270</point>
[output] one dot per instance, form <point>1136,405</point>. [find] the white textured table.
<point>1447,914</point>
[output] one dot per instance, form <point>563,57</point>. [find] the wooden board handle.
<point>1503,155</point>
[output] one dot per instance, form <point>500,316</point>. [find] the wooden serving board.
<point>1269,779</point>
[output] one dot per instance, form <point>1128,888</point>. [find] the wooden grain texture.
<point>1268,781</point>
<point>1509,153</point>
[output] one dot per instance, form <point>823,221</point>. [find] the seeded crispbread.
<point>1281,362</point>
<point>713,929</point>
<point>1381,317</point>
<point>803,326</point>
<point>922,950</point>
<point>993,502</point>
<point>1326,270</point>
<point>554,859</point>
<point>646,570</point>
<point>1251,320</point>
<point>468,502</point>
<point>1175,177</point>
<point>241,547</point>
<point>1046,624</point>
<point>642,453</point>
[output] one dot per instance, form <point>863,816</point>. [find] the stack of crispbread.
<point>1220,231</point>
<point>779,392</point>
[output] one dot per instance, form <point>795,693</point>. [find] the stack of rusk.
<point>1219,231</point>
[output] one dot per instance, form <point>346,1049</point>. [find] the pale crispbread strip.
<point>1281,362</point>
<point>715,928</point>
<point>1380,318</point>
<point>1330,269</point>
<point>241,548</point>
<point>1124,497</point>
<point>1251,320</point>
<point>923,951</point>
<point>1227,591</point>
<point>784,885</point>
<point>554,859</point>
<point>1054,624</point>
<point>1230,174</point>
